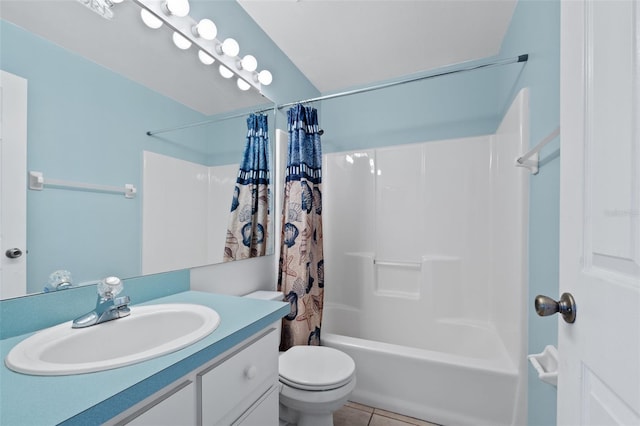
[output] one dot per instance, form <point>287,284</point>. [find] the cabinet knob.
<point>250,372</point>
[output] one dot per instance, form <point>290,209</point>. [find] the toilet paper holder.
<point>546,364</point>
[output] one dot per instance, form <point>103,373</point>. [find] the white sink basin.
<point>149,332</point>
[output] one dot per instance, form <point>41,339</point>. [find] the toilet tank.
<point>268,295</point>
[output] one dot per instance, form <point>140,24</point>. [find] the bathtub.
<point>425,249</point>
<point>473,383</point>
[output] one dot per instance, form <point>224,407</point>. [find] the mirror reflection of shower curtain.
<point>249,218</point>
<point>301,272</point>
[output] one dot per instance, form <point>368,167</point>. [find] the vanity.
<point>228,377</point>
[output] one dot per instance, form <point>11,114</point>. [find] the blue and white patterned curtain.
<point>301,272</point>
<point>249,218</point>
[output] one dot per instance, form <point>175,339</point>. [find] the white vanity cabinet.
<point>239,383</point>
<point>239,387</point>
<point>175,407</point>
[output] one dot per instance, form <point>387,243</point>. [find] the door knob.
<point>566,306</point>
<point>13,253</point>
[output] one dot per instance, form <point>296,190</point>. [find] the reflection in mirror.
<point>87,124</point>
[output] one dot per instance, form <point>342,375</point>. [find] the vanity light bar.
<point>101,7</point>
<point>184,26</point>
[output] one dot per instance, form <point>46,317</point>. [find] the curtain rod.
<point>531,160</point>
<point>500,62</point>
<point>520,58</point>
<point>551,136</point>
<point>210,121</point>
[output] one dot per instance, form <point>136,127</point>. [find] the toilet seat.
<point>315,368</point>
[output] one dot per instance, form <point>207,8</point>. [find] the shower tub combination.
<point>432,305</point>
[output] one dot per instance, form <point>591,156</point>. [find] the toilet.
<point>315,381</point>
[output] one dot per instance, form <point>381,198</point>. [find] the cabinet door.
<point>177,407</point>
<point>264,412</point>
<point>233,386</point>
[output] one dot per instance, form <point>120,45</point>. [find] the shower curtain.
<point>301,272</point>
<point>249,218</point>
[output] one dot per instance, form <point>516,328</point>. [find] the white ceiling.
<point>340,44</point>
<point>336,44</point>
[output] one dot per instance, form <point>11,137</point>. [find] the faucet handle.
<point>110,287</point>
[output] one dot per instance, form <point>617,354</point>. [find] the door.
<point>13,186</point>
<point>599,369</point>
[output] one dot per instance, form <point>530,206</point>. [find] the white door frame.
<point>13,184</point>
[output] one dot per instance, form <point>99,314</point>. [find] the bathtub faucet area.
<point>108,307</point>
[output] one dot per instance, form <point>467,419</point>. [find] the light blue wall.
<point>460,105</point>
<point>535,28</point>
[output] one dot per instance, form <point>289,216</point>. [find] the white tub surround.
<point>426,274</point>
<point>185,209</point>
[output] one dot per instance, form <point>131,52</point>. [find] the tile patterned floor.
<point>353,414</point>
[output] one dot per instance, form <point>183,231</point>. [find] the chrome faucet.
<point>108,307</point>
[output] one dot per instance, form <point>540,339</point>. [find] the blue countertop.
<point>93,398</point>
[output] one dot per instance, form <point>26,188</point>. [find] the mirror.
<point>91,99</point>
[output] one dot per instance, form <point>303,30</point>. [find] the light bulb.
<point>230,47</point>
<point>225,72</point>
<point>265,78</point>
<point>243,85</point>
<point>205,29</point>
<point>178,8</point>
<point>149,19</point>
<point>180,41</point>
<point>205,58</point>
<point>249,63</point>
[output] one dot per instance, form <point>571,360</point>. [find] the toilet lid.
<point>315,368</point>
